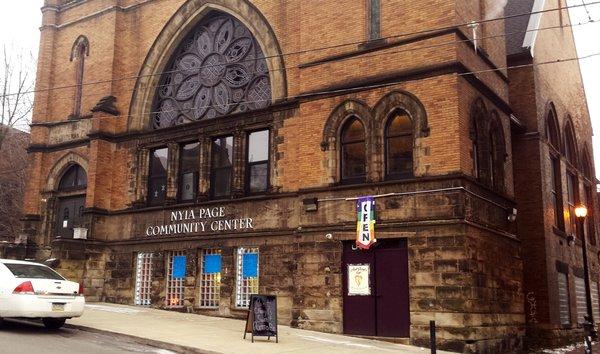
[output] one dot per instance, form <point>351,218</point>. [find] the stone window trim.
<point>203,184</point>
<point>485,131</point>
<point>331,142</point>
<point>374,121</point>
<point>61,166</point>
<point>178,27</point>
<point>383,111</point>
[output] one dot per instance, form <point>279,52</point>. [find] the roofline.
<point>533,25</point>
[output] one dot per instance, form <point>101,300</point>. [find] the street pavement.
<point>203,334</point>
<point>26,337</point>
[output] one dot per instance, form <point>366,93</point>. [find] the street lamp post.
<point>581,213</point>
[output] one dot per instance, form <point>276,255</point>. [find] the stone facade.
<point>465,258</point>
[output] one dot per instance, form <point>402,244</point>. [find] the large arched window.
<point>588,196</point>
<point>553,137</point>
<point>570,146</point>
<point>218,69</point>
<point>353,150</point>
<point>81,49</point>
<point>573,196</point>
<point>477,133</point>
<point>399,146</point>
<point>497,154</point>
<point>73,178</point>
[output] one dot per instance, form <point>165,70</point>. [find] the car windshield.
<point>32,271</point>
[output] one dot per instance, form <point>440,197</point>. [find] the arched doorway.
<point>71,201</point>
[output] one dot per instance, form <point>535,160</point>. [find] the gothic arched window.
<point>497,154</point>
<point>570,146</point>
<point>73,178</point>
<point>478,120</point>
<point>399,146</point>
<point>81,49</point>
<point>353,150</point>
<point>556,186</point>
<point>218,69</point>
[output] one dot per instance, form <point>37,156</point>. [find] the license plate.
<point>58,307</point>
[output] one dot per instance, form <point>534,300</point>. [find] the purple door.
<point>359,311</point>
<point>386,311</point>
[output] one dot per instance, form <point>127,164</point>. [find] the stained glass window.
<point>218,69</point>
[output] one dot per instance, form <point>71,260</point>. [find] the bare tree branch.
<point>15,106</point>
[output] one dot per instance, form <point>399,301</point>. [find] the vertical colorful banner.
<point>365,228</point>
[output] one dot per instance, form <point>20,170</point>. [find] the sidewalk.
<point>203,334</point>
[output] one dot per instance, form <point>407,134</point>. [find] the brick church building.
<point>233,138</point>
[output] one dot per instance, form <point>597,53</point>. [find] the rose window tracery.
<point>218,69</point>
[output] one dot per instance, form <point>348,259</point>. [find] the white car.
<point>33,290</point>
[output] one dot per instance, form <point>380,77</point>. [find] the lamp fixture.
<point>581,211</point>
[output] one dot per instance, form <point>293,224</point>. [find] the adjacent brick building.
<point>554,171</point>
<point>13,164</point>
<point>234,137</point>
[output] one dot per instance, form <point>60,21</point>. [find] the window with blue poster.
<point>250,265</point>
<point>179,267</point>
<point>212,263</point>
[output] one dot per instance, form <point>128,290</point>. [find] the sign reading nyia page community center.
<point>365,229</point>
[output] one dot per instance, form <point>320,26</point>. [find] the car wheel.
<point>1,322</point>
<point>53,323</point>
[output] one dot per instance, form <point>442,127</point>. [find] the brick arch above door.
<point>61,166</point>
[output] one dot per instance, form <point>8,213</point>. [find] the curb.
<point>145,341</point>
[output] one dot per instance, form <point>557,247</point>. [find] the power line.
<point>389,52</point>
<point>406,34</point>
<point>587,10</point>
<point>367,87</point>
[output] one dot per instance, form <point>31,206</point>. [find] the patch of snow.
<point>565,349</point>
<point>123,310</point>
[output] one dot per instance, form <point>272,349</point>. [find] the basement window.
<point>175,282</point>
<point>210,278</point>
<point>563,299</point>
<point>143,279</point>
<point>246,282</point>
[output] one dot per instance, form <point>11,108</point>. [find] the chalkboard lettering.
<point>262,317</point>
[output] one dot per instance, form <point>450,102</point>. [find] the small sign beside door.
<point>359,280</point>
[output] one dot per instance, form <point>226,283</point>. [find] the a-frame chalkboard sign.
<point>262,317</point>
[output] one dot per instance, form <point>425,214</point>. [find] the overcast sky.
<point>20,21</point>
